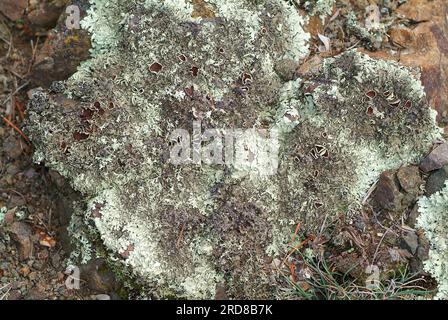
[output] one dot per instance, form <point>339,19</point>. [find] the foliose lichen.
<point>322,8</point>
<point>160,66</point>
<point>433,220</point>
<point>3,211</point>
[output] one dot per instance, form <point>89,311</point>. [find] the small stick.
<point>16,129</point>
<point>20,109</point>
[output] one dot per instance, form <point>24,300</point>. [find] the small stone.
<point>101,297</point>
<point>423,248</point>
<point>46,13</point>
<point>98,277</point>
<point>410,242</point>
<point>410,179</point>
<point>60,56</point>
<point>436,159</point>
<point>412,218</point>
<point>21,233</point>
<point>436,181</point>
<point>286,69</point>
<point>13,9</point>
<point>387,194</point>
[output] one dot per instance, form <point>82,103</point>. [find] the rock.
<point>423,248</point>
<point>410,242</point>
<point>286,69</point>
<point>416,266</point>
<point>45,14</point>
<point>412,217</point>
<point>436,181</point>
<point>21,232</point>
<point>421,255</point>
<point>402,36</point>
<point>98,276</point>
<point>387,194</point>
<point>410,179</point>
<point>13,9</point>
<point>310,66</point>
<point>60,55</point>
<point>436,159</point>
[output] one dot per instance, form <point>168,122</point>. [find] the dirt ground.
<point>33,241</point>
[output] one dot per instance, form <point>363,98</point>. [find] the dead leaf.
<point>326,42</point>
<point>46,241</point>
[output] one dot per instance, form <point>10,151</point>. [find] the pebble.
<point>21,233</point>
<point>387,193</point>
<point>410,242</point>
<point>436,181</point>
<point>436,159</point>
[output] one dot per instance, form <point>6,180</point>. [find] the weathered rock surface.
<point>436,181</point>
<point>436,159</point>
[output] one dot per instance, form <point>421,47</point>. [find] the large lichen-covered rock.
<point>433,220</point>
<point>160,66</point>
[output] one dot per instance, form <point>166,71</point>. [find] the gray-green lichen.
<point>322,8</point>
<point>433,220</point>
<point>159,66</point>
<point>3,211</point>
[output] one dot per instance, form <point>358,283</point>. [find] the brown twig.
<point>12,125</point>
<point>20,109</point>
